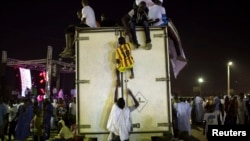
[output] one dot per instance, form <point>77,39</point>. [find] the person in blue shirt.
<point>3,113</point>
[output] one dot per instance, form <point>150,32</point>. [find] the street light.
<point>230,63</point>
<point>200,80</point>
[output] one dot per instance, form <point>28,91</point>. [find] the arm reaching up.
<point>116,94</point>
<point>133,97</point>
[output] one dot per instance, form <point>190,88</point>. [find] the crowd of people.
<point>21,118</point>
<point>25,117</point>
<point>212,110</point>
<point>119,122</point>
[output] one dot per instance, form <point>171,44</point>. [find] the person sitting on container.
<point>86,15</point>
<point>106,21</point>
<point>124,59</point>
<point>139,17</point>
<point>68,52</point>
<point>157,14</point>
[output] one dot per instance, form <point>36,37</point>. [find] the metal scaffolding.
<point>48,65</point>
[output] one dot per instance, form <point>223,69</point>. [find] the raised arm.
<point>116,94</point>
<point>133,97</point>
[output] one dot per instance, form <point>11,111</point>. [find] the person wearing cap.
<point>65,134</point>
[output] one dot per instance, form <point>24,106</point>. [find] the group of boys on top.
<point>144,13</point>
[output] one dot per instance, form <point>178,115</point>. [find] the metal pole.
<point>200,80</point>
<point>48,71</point>
<point>2,73</point>
<point>228,80</point>
<point>168,84</point>
<point>200,88</point>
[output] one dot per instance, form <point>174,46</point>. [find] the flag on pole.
<point>176,52</point>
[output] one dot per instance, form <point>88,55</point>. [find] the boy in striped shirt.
<point>124,59</point>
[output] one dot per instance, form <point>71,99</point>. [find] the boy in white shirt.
<point>88,14</point>
<point>157,13</point>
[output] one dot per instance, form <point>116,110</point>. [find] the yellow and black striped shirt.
<point>124,55</point>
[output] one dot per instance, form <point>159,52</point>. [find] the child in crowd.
<point>210,118</point>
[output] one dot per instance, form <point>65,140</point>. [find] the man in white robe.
<point>183,111</point>
<point>241,111</point>
<point>199,111</point>
<point>119,121</point>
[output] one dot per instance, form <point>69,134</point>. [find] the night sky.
<point>212,32</point>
